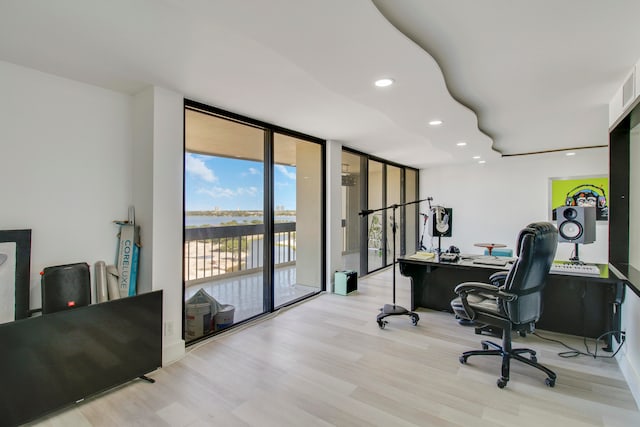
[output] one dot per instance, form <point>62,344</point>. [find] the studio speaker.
<point>576,224</point>
<point>65,287</point>
<point>440,222</point>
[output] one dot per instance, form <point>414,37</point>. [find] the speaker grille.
<point>65,287</point>
<point>570,230</point>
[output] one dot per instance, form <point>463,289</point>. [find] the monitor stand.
<point>575,259</point>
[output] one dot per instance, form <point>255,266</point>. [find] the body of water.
<point>213,220</point>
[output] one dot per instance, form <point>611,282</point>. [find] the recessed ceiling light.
<point>435,122</point>
<point>384,82</point>
<point>476,157</point>
<point>571,153</point>
<point>461,144</point>
<point>481,162</point>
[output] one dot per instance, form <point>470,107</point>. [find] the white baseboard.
<point>630,374</point>
<point>172,352</point>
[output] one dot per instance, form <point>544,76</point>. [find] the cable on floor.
<point>575,352</point>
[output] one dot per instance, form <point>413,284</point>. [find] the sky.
<point>234,184</point>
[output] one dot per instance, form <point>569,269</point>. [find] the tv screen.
<point>57,359</point>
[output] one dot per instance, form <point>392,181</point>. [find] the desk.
<point>576,305</point>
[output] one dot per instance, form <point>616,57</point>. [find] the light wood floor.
<point>325,362</point>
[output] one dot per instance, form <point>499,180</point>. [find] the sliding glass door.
<point>374,184</point>
<point>254,219</point>
<point>352,185</point>
<point>377,244</point>
<point>410,218</point>
<point>394,197</point>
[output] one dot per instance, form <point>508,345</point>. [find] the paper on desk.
<point>423,256</point>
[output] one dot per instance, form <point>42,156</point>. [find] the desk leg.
<point>416,277</point>
<point>615,316</point>
<point>614,325</point>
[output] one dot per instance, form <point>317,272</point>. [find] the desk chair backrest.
<point>536,249</point>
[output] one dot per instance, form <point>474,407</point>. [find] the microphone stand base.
<point>395,310</point>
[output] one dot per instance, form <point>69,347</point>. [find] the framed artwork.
<point>580,191</point>
<point>15,262</point>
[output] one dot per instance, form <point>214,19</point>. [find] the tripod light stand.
<point>393,309</point>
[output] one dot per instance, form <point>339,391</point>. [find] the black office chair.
<point>516,305</point>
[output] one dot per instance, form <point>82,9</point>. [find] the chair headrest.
<point>540,231</point>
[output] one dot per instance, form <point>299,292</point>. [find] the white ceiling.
<point>526,75</point>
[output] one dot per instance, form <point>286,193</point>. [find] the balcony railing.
<point>211,252</point>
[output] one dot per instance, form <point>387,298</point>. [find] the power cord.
<point>575,352</point>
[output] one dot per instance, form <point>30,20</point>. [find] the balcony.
<point>227,262</point>
<point>211,252</point>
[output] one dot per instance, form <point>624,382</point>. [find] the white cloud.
<point>220,192</point>
<point>285,172</point>
<point>247,191</point>
<point>254,171</point>
<point>197,167</point>
<point>217,192</point>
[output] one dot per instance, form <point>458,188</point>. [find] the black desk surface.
<point>467,263</point>
<point>628,274</point>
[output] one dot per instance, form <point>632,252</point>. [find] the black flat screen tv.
<point>55,360</point>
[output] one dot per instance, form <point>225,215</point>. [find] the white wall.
<point>157,195</point>
<point>493,201</point>
<point>73,158</point>
<point>333,211</point>
<point>65,167</point>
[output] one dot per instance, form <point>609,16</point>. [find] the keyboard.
<point>491,261</point>
<point>575,269</point>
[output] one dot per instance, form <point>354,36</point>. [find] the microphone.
<point>365,212</point>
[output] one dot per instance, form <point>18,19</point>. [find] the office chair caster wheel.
<point>534,359</point>
<point>485,346</point>
<point>501,382</point>
<point>414,319</point>
<point>463,360</point>
<point>382,323</point>
<point>550,382</point>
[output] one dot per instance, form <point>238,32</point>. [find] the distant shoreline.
<point>238,213</point>
<point>240,218</point>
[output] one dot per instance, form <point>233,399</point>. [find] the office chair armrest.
<point>463,289</point>
<point>498,279</point>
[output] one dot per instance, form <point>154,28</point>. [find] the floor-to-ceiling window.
<point>377,244</point>
<point>373,185</point>
<point>352,185</point>
<point>411,243</point>
<point>254,219</point>
<point>394,197</point>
